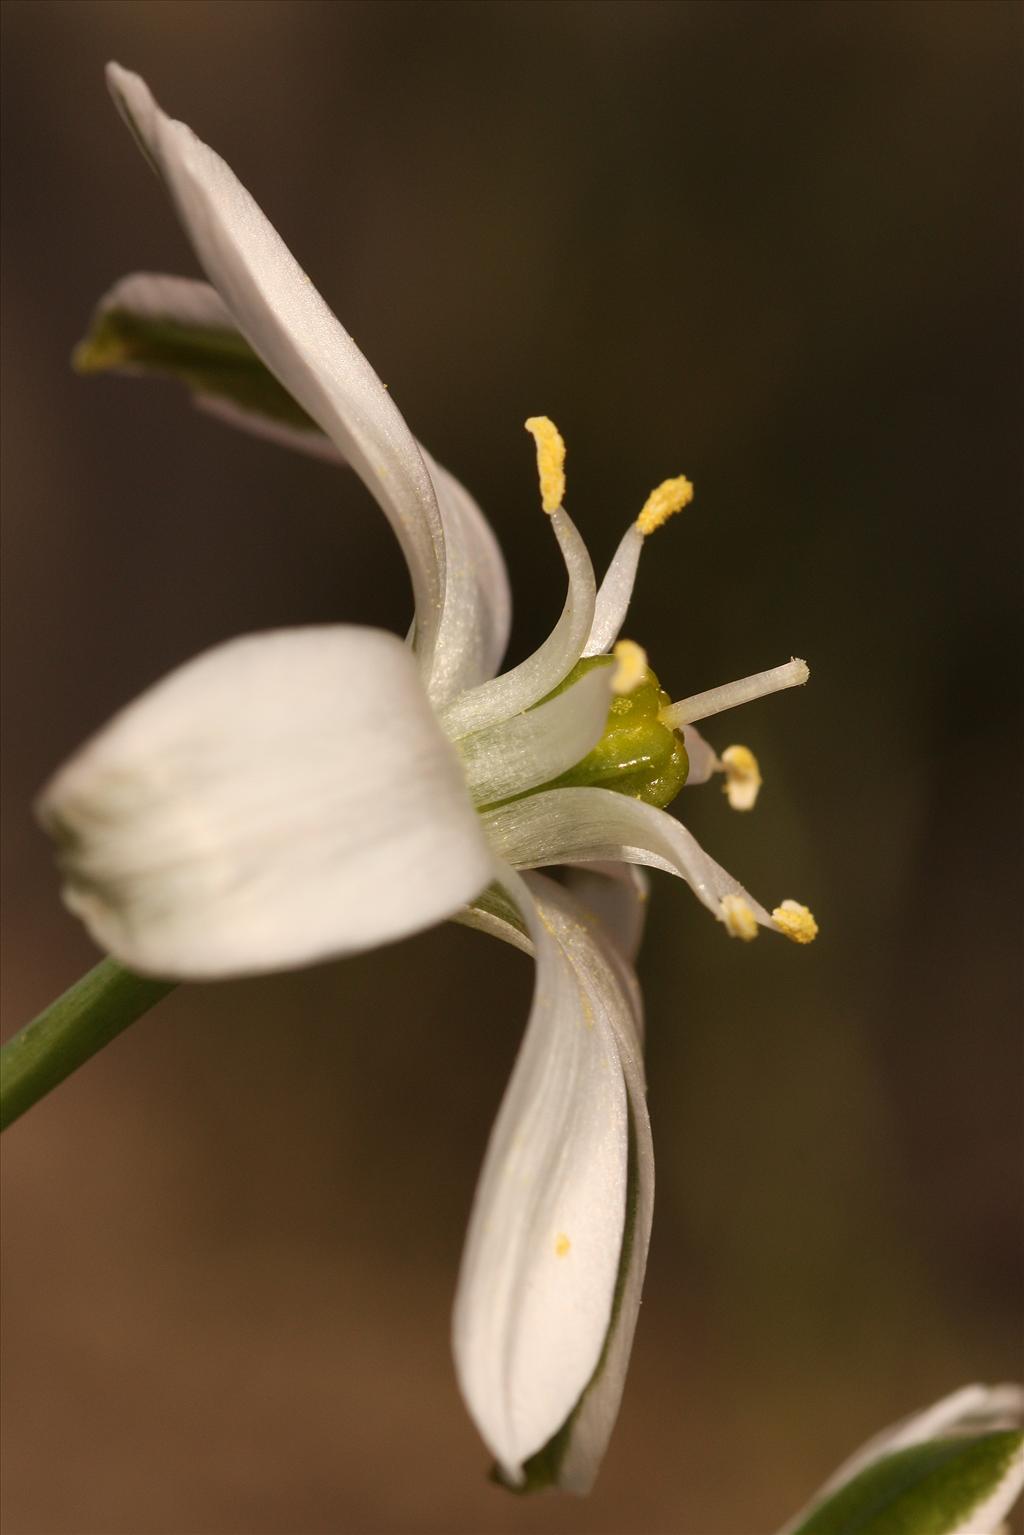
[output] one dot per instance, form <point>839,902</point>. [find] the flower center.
<point>637,755</point>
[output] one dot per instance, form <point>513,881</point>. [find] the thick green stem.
<point>87,1017</point>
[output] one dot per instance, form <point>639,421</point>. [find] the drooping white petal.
<point>541,672</point>
<point>544,1248</point>
<point>569,825</point>
<point>972,1411</point>
<point>611,983</point>
<point>614,593</point>
<point>616,894</point>
<point>284,319</point>
<point>535,747</point>
<point>703,758</point>
<point>181,328</point>
<point>280,799</point>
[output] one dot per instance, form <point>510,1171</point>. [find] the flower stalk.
<point>92,1012</point>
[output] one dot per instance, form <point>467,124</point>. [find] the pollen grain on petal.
<point>739,919</point>
<point>562,1245</point>
<point>663,502</point>
<point>796,922</point>
<point>630,666</point>
<point>550,461</point>
<point>742,777</point>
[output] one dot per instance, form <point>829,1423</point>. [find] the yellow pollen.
<point>669,497</point>
<point>550,461</point>
<point>742,777</point>
<point>796,922</point>
<point>562,1245</point>
<point>739,920</point>
<point>630,666</point>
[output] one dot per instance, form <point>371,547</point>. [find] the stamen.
<point>739,920</point>
<point>630,666</point>
<point>667,498</point>
<point>796,922</point>
<point>550,461</point>
<point>702,705</point>
<point>742,777</point>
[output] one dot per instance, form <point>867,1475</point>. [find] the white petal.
<point>569,825</point>
<point>610,984</point>
<point>287,323</point>
<point>973,1410</point>
<point>614,593</point>
<point>160,296</point>
<point>535,747</point>
<point>615,895</point>
<point>492,912</point>
<point>703,758</point>
<point>543,1251</point>
<point>540,673</point>
<point>477,614</point>
<point>280,799</point>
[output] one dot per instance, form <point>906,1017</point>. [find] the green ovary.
<point>637,755</point>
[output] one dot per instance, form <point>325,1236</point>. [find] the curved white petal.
<point>540,673</point>
<point>477,613</point>
<point>616,895</point>
<point>614,593</point>
<point>611,984</point>
<point>972,1410</point>
<point>571,825</point>
<point>535,747</point>
<point>280,799</point>
<point>543,1253</point>
<point>287,323</point>
<point>704,761</point>
<point>492,912</point>
<point>476,616</point>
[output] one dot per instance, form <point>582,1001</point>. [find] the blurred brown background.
<point>772,245</point>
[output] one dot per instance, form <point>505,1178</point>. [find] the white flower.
<point>297,795</point>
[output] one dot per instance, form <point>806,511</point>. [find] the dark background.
<point>774,246</point>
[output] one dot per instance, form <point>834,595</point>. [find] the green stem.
<point>88,1016</point>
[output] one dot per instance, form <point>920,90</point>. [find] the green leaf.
<point>211,362</point>
<point>927,1489</point>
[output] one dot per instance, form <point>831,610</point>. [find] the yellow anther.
<point>630,666</point>
<point>796,922</point>
<point>742,777</point>
<point>550,461</point>
<point>562,1245</point>
<point>739,920</point>
<point>669,497</point>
